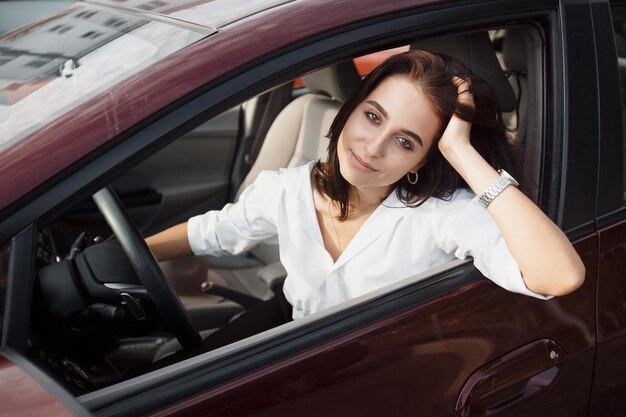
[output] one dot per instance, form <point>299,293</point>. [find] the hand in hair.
<point>457,133</point>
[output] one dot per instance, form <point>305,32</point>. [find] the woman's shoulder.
<point>285,176</point>
<point>284,182</point>
<point>297,172</point>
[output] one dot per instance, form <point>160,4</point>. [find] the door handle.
<point>510,379</point>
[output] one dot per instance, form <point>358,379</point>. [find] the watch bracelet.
<point>494,190</point>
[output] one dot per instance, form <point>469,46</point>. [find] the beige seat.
<point>298,135</point>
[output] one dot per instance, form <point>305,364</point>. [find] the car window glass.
<point>4,272</point>
<point>54,65</point>
<point>619,26</point>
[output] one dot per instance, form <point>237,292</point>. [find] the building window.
<point>91,35</point>
<point>152,5</point>
<point>60,29</point>
<point>85,14</point>
<point>113,22</point>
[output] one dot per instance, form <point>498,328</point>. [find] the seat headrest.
<point>514,50</point>
<point>338,80</point>
<point>476,51</point>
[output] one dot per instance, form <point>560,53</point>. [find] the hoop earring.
<point>410,180</point>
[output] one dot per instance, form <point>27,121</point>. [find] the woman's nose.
<point>375,145</point>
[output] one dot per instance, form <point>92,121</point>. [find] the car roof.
<point>230,41</point>
<point>206,13</point>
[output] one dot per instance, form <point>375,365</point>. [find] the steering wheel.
<point>147,268</point>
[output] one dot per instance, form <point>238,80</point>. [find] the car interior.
<point>99,316</point>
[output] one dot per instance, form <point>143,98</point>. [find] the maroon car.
<point>121,118</point>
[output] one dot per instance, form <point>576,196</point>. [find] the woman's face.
<point>387,135</point>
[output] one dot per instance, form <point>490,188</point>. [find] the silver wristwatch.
<point>497,187</point>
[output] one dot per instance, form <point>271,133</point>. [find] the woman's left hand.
<point>457,133</point>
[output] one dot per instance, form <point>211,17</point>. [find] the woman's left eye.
<point>404,142</point>
<point>372,117</point>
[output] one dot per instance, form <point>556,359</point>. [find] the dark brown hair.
<point>437,178</point>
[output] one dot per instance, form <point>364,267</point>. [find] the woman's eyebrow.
<point>378,107</point>
<point>415,137</point>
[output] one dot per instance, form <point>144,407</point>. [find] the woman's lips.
<point>360,164</point>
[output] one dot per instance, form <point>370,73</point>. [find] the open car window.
<point>112,329</point>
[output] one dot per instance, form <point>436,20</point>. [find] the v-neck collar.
<point>382,218</point>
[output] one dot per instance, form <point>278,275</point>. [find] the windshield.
<point>54,65</point>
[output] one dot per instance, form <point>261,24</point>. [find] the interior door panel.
<point>190,175</point>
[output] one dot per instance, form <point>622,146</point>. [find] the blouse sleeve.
<point>463,227</point>
<point>238,226</point>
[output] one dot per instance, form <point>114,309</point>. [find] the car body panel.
<point>609,386</point>
<point>208,13</point>
<point>21,395</point>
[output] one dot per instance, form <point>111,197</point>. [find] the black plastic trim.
<point>555,107</point>
<point>608,219</point>
<point>580,145</point>
<point>610,182</point>
<point>19,290</point>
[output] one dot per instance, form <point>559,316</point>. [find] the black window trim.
<point>611,205</point>
<point>576,91</point>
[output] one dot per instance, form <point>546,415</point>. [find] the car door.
<point>448,342</point>
<point>608,382</point>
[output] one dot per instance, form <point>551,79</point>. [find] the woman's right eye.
<point>372,117</point>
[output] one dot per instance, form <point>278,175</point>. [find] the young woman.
<point>413,179</point>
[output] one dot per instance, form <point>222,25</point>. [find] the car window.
<point>4,273</point>
<point>54,65</point>
<point>619,26</point>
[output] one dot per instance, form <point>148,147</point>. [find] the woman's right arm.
<point>232,230</point>
<point>171,243</point>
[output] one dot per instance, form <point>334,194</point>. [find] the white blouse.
<point>394,243</point>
